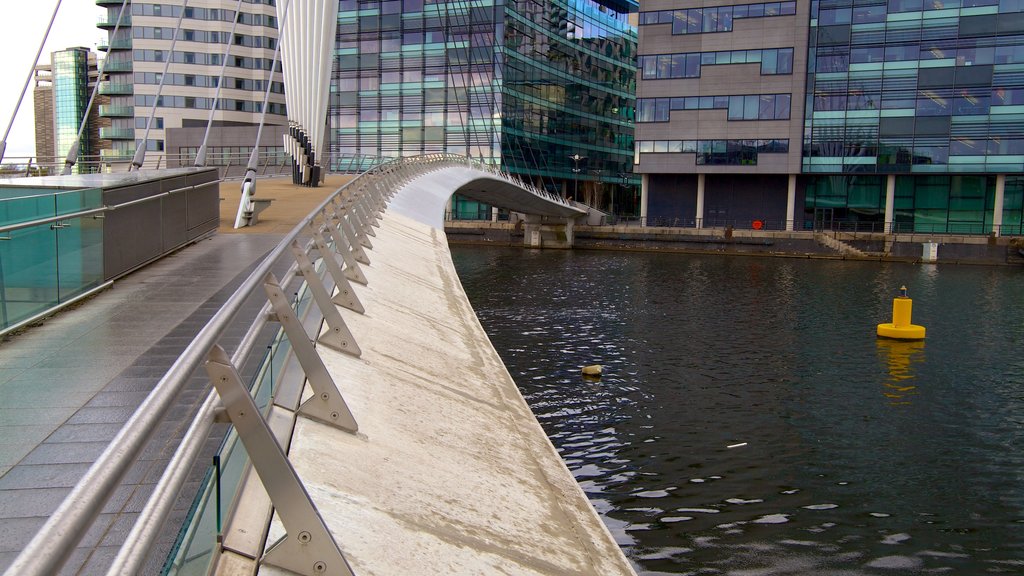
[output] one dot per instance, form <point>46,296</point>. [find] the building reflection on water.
<point>900,357</point>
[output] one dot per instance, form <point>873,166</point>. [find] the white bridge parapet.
<point>450,472</point>
<point>416,454</point>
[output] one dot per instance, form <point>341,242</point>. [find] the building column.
<point>997,209</point>
<point>494,214</point>
<point>700,200</point>
<point>890,199</point>
<point>644,181</point>
<point>791,203</point>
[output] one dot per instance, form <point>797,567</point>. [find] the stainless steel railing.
<point>347,218</point>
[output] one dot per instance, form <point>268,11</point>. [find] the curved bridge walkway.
<point>409,448</point>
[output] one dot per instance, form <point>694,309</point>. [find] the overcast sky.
<point>21,30</point>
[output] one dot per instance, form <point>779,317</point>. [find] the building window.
<point>687,65</point>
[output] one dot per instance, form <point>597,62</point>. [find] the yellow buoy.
<point>592,370</point>
<point>900,328</point>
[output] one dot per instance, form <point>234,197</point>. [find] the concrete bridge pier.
<point>540,234</point>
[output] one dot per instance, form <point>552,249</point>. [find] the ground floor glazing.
<point>938,204</point>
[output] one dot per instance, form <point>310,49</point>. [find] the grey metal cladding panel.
<point>203,210</point>
<point>900,126</point>
<point>979,25</point>
<point>974,75</point>
<point>115,196</point>
<point>936,77</point>
<point>131,237</point>
<point>203,177</point>
<point>175,183</point>
<point>174,221</point>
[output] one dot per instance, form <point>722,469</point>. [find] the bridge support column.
<point>569,233</point>
<point>531,231</point>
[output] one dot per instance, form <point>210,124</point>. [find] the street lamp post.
<point>576,175</point>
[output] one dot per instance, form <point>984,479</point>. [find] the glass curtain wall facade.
<point>71,91</point>
<point>527,85</point>
<point>901,115</point>
<point>929,92</point>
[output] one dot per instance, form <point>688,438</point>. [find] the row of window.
<point>747,107</point>
<point>711,19</point>
<point>877,13</point>
<point>210,14</point>
<point>933,102</point>
<point>688,65</point>
<point>207,82</point>
<point>205,59</point>
<point>841,61</point>
<point>716,152</point>
<point>200,103</point>
<point>922,150</point>
<point>205,36</point>
<point>230,155</point>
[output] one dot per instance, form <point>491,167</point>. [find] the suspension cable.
<point>72,156</point>
<point>201,154</point>
<point>31,71</point>
<point>249,180</point>
<point>140,152</point>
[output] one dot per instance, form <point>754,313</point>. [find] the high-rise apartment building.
<point>545,89</point>
<point>61,96</point>
<point>898,115</point>
<point>137,53</point>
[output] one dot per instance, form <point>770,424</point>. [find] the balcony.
<point>118,66</point>
<point>108,22</point>
<point>117,133</point>
<point>110,111</point>
<point>119,89</point>
<point>119,44</point>
<point>109,2</point>
<point>108,155</point>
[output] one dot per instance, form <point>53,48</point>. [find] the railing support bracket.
<point>307,547</point>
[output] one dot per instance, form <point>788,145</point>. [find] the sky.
<point>20,34</point>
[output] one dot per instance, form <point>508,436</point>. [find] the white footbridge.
<point>399,445</point>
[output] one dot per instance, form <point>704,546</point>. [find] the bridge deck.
<point>68,384</point>
<point>450,472</point>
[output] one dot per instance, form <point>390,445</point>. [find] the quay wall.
<point>960,249</point>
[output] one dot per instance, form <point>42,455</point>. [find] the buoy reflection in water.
<point>900,356</point>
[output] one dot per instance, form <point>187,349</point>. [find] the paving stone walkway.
<point>68,384</point>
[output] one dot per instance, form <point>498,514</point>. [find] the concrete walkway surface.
<point>69,383</point>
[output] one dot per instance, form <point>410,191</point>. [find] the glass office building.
<point>62,91</point>
<point>900,115</point>
<point>923,97</point>
<point>545,89</point>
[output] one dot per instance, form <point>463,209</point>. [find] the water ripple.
<point>749,423</point>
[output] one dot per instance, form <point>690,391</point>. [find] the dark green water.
<point>858,456</point>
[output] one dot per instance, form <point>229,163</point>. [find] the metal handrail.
<point>94,211</point>
<point>53,544</point>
